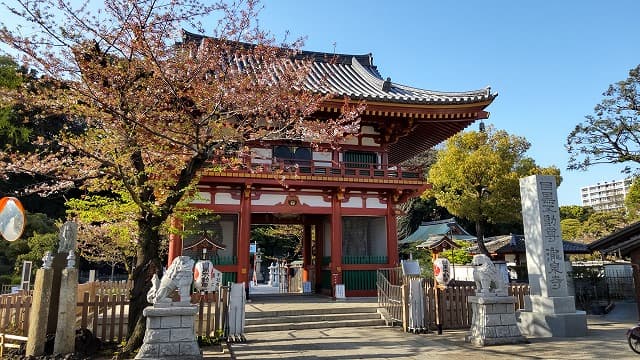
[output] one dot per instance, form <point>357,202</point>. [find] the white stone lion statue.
<point>488,279</point>
<point>178,276</point>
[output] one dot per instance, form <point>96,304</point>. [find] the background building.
<point>606,195</point>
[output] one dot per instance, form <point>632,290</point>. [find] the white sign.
<point>340,291</point>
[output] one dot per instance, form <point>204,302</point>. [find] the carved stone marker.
<point>40,308</point>
<point>170,332</point>
<point>494,318</point>
<point>549,310</point>
<point>65,340</point>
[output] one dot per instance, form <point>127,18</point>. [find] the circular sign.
<point>12,218</point>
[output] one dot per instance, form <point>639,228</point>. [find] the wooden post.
<point>336,239</point>
<point>405,307</point>
<point>392,234</point>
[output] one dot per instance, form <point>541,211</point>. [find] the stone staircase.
<point>314,317</point>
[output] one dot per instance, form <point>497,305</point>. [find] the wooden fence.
<point>103,309</point>
<point>14,313</point>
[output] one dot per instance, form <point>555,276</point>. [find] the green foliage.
<point>423,257</point>
<point>476,177</point>
<point>610,133</point>
<point>571,229</point>
<point>603,223</point>
<point>415,212</point>
<point>39,236</point>
<point>632,200</point>
<point>460,255</point>
<point>11,131</point>
<point>580,213</point>
<point>279,241</point>
<point>107,227</point>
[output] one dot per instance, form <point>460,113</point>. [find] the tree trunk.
<point>480,238</point>
<point>147,264</point>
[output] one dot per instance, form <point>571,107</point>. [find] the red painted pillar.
<point>392,234</point>
<point>336,238</point>
<point>175,241</point>
<point>306,252</point>
<point>244,235</point>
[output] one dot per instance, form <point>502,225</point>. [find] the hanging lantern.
<point>441,271</point>
<point>205,276</point>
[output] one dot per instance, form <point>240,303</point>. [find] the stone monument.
<point>494,317</point>
<point>170,332</point>
<point>549,310</point>
<point>65,341</point>
<point>40,308</point>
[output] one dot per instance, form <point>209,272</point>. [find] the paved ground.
<point>605,340</point>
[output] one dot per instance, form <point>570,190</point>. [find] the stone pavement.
<point>605,340</point>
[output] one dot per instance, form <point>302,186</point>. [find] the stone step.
<point>316,311</point>
<point>312,318</point>
<point>313,325</point>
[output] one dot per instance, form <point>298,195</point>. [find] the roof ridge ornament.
<point>386,86</point>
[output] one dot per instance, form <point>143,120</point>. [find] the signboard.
<point>12,218</point>
<point>253,248</point>
<point>26,275</point>
<point>441,271</point>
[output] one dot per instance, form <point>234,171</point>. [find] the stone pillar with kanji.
<point>549,310</point>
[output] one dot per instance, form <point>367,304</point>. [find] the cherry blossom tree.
<point>147,105</point>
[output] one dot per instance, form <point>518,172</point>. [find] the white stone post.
<point>549,310</point>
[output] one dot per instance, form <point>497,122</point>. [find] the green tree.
<point>603,223</point>
<point>459,255</point>
<point>107,231</point>
<point>610,133</point>
<point>476,177</point>
<point>146,112</point>
<point>632,200</point>
<point>571,228</point>
<point>580,213</point>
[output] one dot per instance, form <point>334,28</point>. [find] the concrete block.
<point>508,319</point>
<point>514,331</point>
<point>153,323</point>
<point>148,351</point>
<point>493,320</point>
<point>502,331</point>
<point>169,349</point>
<point>552,325</point>
<point>489,332</point>
<point>182,334</point>
<point>551,305</point>
<point>189,349</point>
<point>170,322</point>
<point>188,321</point>
<point>155,336</point>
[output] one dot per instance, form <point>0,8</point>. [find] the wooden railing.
<point>329,168</point>
<point>14,313</point>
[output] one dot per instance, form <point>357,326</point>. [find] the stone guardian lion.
<point>178,276</point>
<point>488,279</point>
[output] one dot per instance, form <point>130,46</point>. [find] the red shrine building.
<point>346,199</point>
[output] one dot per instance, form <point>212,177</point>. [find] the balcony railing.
<point>331,169</point>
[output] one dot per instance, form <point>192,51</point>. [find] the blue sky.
<point>549,61</point>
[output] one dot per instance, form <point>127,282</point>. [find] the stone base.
<point>170,334</point>
<point>553,325</point>
<point>494,321</point>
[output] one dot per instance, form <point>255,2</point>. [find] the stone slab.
<point>491,299</point>
<point>550,305</point>
<point>153,311</point>
<point>552,325</point>
<point>494,321</point>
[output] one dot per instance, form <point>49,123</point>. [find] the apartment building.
<point>607,195</point>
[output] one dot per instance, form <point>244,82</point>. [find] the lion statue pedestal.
<point>494,317</point>
<point>170,332</point>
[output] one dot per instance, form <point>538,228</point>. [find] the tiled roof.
<point>623,241</point>
<point>356,77</point>
<point>435,229</point>
<point>514,244</point>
